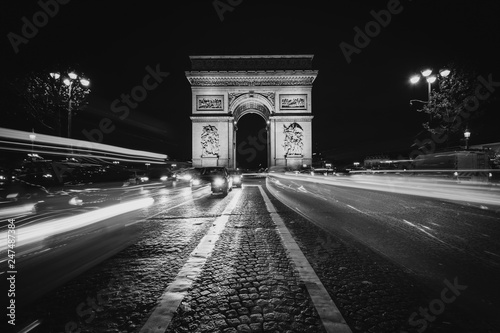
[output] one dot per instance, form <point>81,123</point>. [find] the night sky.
<point>361,107</point>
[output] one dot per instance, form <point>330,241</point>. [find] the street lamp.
<point>444,72</point>
<point>69,81</point>
<point>32,137</point>
<point>467,136</point>
<point>427,73</point>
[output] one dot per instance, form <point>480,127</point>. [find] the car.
<point>138,178</point>
<point>219,178</point>
<point>161,174</point>
<point>237,177</point>
<point>186,174</point>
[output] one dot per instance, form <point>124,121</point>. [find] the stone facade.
<point>225,88</point>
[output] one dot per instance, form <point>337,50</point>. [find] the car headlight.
<point>163,178</point>
<point>75,201</point>
<point>187,177</point>
<point>196,182</point>
<point>144,179</point>
<point>218,181</point>
<point>236,179</point>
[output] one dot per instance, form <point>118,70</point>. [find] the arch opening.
<point>252,142</point>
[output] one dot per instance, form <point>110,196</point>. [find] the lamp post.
<point>466,136</point>
<point>69,82</point>
<point>32,137</point>
<point>430,78</point>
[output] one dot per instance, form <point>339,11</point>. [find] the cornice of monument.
<point>290,117</point>
<point>252,78</point>
<point>201,118</point>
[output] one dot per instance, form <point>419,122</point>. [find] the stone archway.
<point>242,107</point>
<point>225,88</point>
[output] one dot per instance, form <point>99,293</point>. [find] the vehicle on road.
<point>219,178</point>
<point>87,198</point>
<point>237,177</point>
<point>186,174</point>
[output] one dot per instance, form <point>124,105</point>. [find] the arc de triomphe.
<point>276,87</point>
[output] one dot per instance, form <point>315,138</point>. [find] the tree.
<point>45,98</point>
<point>452,103</point>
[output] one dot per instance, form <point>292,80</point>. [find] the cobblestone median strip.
<point>249,283</point>
<point>159,320</point>
<point>329,313</point>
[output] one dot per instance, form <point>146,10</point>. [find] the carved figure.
<point>293,139</point>
<point>210,141</point>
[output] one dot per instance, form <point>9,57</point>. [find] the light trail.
<point>111,152</point>
<point>39,231</point>
<point>426,187</point>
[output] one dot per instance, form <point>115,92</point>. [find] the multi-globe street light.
<point>430,78</point>
<point>69,81</point>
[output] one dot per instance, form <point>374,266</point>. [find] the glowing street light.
<point>427,73</point>
<point>467,136</point>
<point>69,82</point>
<point>431,79</point>
<point>444,72</point>
<point>414,79</point>
<point>32,137</point>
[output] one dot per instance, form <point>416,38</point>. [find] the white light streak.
<point>39,231</point>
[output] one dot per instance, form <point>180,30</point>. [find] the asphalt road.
<point>434,239</point>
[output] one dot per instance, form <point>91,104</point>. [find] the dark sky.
<point>361,107</point>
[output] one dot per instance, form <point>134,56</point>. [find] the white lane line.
<point>356,209</point>
<point>493,254</point>
<point>428,234</point>
<point>30,326</point>
<point>329,313</point>
<point>159,320</point>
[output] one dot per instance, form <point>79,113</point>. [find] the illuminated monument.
<point>276,87</point>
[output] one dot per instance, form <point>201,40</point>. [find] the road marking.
<point>493,254</point>
<point>329,313</point>
<point>356,209</point>
<point>159,320</point>
<point>30,326</point>
<point>429,234</point>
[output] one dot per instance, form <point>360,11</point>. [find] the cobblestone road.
<point>249,283</point>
